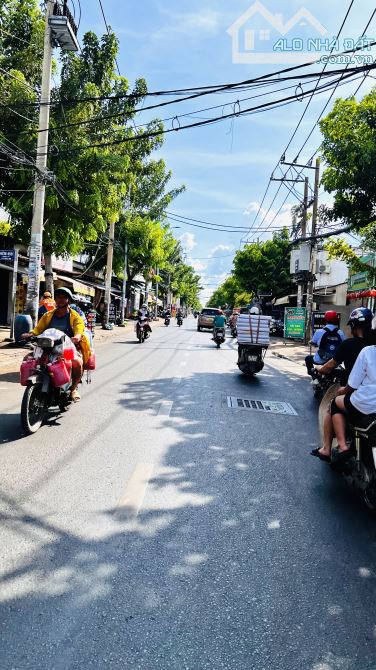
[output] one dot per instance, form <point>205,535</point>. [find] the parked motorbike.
<point>167,321</point>
<point>180,321</point>
<point>47,375</point>
<point>322,383</point>
<point>359,469</point>
<point>251,358</point>
<point>142,329</point>
<point>219,336</point>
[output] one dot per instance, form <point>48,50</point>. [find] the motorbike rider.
<point>143,313</point>
<point>219,323</point>
<point>179,314</point>
<point>47,304</point>
<point>233,318</point>
<point>348,352</point>
<point>69,322</point>
<point>327,339</point>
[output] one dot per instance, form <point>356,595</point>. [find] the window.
<point>264,35</point>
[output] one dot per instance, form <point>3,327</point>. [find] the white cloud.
<point>190,23</point>
<point>221,247</point>
<point>188,241</point>
<point>197,265</point>
<point>269,218</point>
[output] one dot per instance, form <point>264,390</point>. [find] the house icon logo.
<point>261,37</point>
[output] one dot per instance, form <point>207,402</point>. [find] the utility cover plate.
<point>270,406</point>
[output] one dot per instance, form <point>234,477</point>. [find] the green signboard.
<point>359,281</point>
<point>295,318</point>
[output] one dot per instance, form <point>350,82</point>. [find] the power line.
<point>108,32</point>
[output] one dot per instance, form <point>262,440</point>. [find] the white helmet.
<point>254,310</point>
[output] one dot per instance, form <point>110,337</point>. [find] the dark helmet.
<point>331,317</point>
<point>360,317</point>
<point>65,291</point>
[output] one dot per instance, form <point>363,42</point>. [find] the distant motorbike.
<point>276,327</point>
<point>251,358</point>
<point>180,321</point>
<point>321,383</point>
<point>142,329</point>
<point>47,375</point>
<point>219,336</point>
<point>233,330</point>
<point>359,469</point>
<point>167,321</point>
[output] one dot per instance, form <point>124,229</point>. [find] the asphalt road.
<point>153,526</point>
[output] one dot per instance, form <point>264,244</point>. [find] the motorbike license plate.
<point>253,359</point>
<point>374,455</point>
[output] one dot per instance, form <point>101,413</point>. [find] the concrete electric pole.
<point>107,292</point>
<point>124,287</point>
<point>59,31</point>
<point>304,234</point>
<point>312,269</point>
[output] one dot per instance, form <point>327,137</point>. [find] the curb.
<point>286,358</point>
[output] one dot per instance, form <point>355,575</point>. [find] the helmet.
<point>362,316</point>
<point>144,306</point>
<point>47,294</point>
<point>254,310</point>
<point>331,317</point>
<point>65,291</point>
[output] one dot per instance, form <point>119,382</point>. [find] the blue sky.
<point>225,167</point>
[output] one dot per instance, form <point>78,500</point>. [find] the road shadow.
<point>230,563</point>
<point>10,377</point>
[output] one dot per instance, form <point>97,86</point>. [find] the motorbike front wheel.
<point>369,497</point>
<point>33,408</point>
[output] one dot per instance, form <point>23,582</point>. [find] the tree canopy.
<point>349,150</point>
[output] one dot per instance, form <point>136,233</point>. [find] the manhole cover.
<point>270,406</point>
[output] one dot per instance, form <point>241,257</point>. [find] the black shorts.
<point>353,414</point>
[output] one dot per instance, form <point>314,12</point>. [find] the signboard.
<point>295,318</point>
<point>112,313</point>
<point>359,281</point>
<point>7,255</point>
<point>318,320</point>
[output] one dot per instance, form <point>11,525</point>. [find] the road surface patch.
<point>270,406</point>
<point>133,496</point>
<point>165,408</point>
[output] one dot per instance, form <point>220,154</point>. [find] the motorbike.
<point>322,383</point>
<point>359,470</point>
<point>142,329</point>
<point>276,327</point>
<point>47,375</point>
<point>233,330</point>
<point>180,321</point>
<point>251,358</point>
<point>219,336</point>
<point>167,321</point>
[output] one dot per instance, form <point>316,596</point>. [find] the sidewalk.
<point>289,349</point>
<point>11,356</point>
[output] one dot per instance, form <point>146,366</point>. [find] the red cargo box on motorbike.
<point>26,370</point>
<point>60,372</point>
<point>91,363</point>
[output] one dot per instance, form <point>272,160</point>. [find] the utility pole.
<point>107,292</point>
<point>304,234</point>
<point>60,30</point>
<point>35,249</point>
<point>312,269</point>
<point>156,294</point>
<point>124,287</point>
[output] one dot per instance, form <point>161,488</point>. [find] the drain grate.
<point>270,406</point>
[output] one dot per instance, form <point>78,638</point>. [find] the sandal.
<point>75,396</point>
<point>322,457</point>
<point>340,456</point>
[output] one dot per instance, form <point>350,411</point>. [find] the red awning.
<point>358,295</point>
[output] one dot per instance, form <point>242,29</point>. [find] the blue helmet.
<point>362,316</point>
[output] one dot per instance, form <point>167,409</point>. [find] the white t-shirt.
<point>363,379</point>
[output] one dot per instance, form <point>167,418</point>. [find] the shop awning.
<point>285,300</point>
<point>358,295</point>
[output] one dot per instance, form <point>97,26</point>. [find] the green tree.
<point>349,150</point>
<point>225,294</point>
<point>264,268</point>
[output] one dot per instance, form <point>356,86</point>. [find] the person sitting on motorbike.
<point>327,339</point>
<point>219,323</point>
<point>143,313</point>
<point>234,318</point>
<point>46,304</point>
<point>179,314</point>
<point>348,352</point>
<point>68,321</point>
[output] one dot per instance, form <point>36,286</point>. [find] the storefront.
<point>360,293</point>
